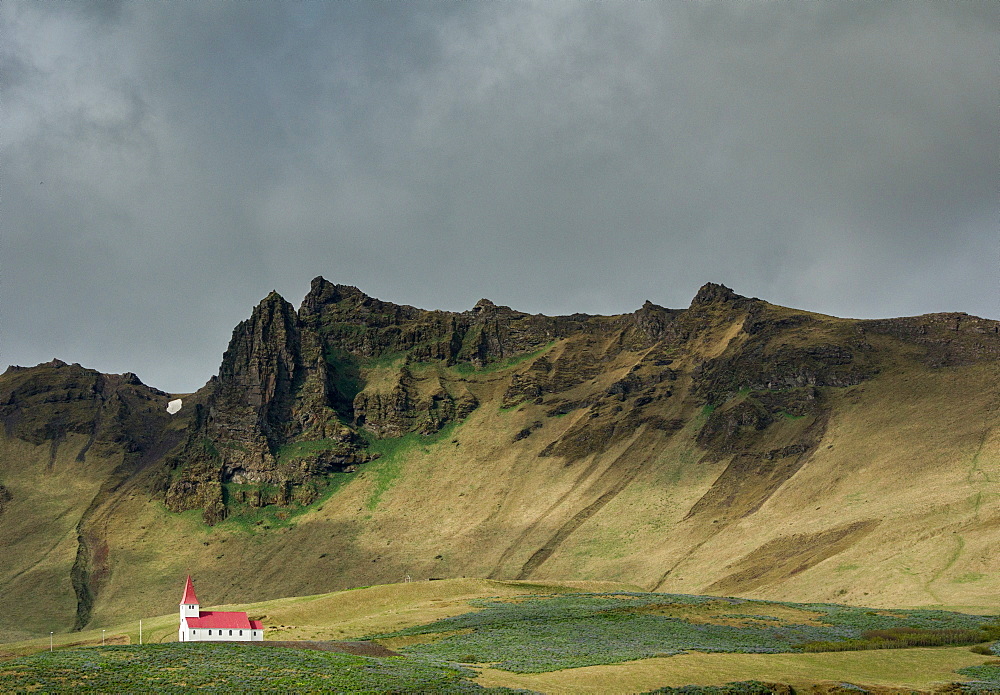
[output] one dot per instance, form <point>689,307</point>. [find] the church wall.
<point>200,634</point>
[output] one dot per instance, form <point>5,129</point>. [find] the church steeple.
<point>189,602</point>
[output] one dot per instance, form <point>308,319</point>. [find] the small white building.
<point>214,626</point>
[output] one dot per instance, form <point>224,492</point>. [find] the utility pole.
<point>50,641</point>
<point>140,632</point>
<point>102,637</point>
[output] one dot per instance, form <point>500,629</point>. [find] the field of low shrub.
<point>572,630</point>
<point>175,668</point>
<point>736,688</point>
<point>986,678</point>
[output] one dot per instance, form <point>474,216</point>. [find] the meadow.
<point>493,636</point>
<point>573,630</point>
<point>175,668</point>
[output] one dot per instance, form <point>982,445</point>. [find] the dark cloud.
<point>168,164</point>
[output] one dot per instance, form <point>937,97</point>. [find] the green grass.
<point>534,633</point>
<point>389,359</point>
<point>789,416</point>
<point>346,375</point>
<point>209,447</point>
<point>175,668</point>
<point>391,454</point>
<point>467,368</point>
<point>968,578</point>
<point>258,519</point>
<point>902,637</point>
<point>304,449</point>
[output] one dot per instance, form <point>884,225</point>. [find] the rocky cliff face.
<point>275,388</point>
<point>295,394</point>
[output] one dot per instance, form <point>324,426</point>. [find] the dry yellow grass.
<point>910,668</point>
<point>38,531</point>
<point>342,615</point>
<point>901,450</point>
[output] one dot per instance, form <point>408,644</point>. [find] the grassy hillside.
<point>811,459</point>
<point>49,492</point>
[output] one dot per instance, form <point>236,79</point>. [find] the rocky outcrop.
<point>950,339</point>
<point>115,412</point>
<point>412,407</point>
<point>350,322</point>
<point>727,428</point>
<point>258,374</point>
<point>766,359</point>
<point>271,419</point>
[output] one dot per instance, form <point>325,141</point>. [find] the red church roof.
<point>189,596</point>
<point>224,619</point>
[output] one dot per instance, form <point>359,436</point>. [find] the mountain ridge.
<point>583,439</point>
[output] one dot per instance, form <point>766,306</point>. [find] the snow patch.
<point>174,406</point>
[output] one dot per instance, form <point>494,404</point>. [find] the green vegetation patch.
<point>306,449</point>
<point>968,578</point>
<point>467,368</point>
<point>902,637</point>
<point>734,688</point>
<point>547,633</point>
<point>346,375</point>
<point>175,668</point>
<point>986,678</point>
<point>789,416</point>
<point>247,517</point>
<point>387,360</point>
<point>391,454</point>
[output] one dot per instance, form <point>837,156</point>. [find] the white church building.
<point>214,626</point>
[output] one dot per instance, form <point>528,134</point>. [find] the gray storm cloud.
<point>165,165</point>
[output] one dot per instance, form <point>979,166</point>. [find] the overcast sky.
<point>165,165</point>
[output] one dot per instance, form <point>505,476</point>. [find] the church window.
<point>230,633</point>
<point>241,633</point>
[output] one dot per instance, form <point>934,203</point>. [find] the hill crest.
<point>534,446</point>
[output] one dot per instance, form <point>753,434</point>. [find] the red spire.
<point>190,597</point>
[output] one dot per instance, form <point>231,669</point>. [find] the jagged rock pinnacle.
<point>711,293</point>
